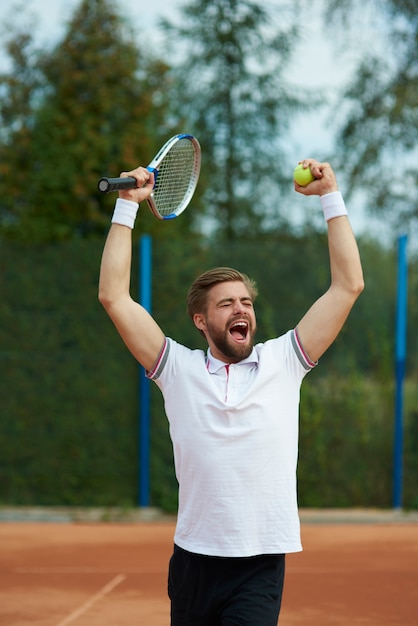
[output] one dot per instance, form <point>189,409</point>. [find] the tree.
<point>379,132</point>
<point>232,92</point>
<point>97,108</point>
<point>18,90</point>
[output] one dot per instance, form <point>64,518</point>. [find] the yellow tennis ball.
<point>303,176</point>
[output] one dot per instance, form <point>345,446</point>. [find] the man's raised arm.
<point>139,331</point>
<point>324,320</point>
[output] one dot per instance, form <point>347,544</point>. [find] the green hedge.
<point>69,388</point>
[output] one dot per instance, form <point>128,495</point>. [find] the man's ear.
<point>199,321</point>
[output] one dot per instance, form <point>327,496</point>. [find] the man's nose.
<point>238,307</point>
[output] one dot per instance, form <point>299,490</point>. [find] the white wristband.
<point>125,213</point>
<point>333,205</point>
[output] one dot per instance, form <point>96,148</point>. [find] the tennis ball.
<point>303,176</point>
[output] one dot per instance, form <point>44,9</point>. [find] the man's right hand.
<point>145,185</point>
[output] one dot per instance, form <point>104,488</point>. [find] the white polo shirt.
<point>235,439</point>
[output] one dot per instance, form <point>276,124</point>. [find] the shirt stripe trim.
<point>159,364</point>
<point>303,357</point>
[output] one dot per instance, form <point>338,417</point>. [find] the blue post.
<point>400,359</point>
<point>145,265</point>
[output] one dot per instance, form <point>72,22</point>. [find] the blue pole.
<point>400,360</point>
<point>145,265</point>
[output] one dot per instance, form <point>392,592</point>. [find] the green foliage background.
<point>69,387</point>
<point>96,103</point>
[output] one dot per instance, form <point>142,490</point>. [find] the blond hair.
<point>197,298</point>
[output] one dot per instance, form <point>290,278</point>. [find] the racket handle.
<point>114,184</point>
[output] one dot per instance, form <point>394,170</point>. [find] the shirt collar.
<point>214,365</point>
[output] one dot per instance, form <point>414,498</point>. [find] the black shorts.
<point>219,591</point>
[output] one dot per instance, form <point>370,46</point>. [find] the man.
<point>233,415</point>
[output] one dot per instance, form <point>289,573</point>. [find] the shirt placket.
<point>226,381</point>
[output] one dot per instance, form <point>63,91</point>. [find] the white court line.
<point>82,570</point>
<point>98,596</point>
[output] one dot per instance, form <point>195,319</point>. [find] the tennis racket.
<point>176,169</point>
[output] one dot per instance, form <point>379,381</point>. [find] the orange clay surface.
<point>54,574</point>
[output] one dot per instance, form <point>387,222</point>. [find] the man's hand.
<point>325,180</point>
<point>145,185</point>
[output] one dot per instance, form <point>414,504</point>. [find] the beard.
<point>227,346</point>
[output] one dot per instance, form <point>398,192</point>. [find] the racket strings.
<point>176,178</point>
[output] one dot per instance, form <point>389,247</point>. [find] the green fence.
<point>69,388</point>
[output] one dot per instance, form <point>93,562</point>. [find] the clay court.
<point>356,571</point>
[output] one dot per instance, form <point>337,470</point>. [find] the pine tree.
<point>379,132</point>
<point>18,88</point>
<point>231,89</point>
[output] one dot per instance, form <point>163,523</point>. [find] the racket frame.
<point>154,168</point>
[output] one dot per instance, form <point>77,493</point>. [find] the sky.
<point>317,61</point>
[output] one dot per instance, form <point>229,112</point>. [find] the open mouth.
<point>239,330</point>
